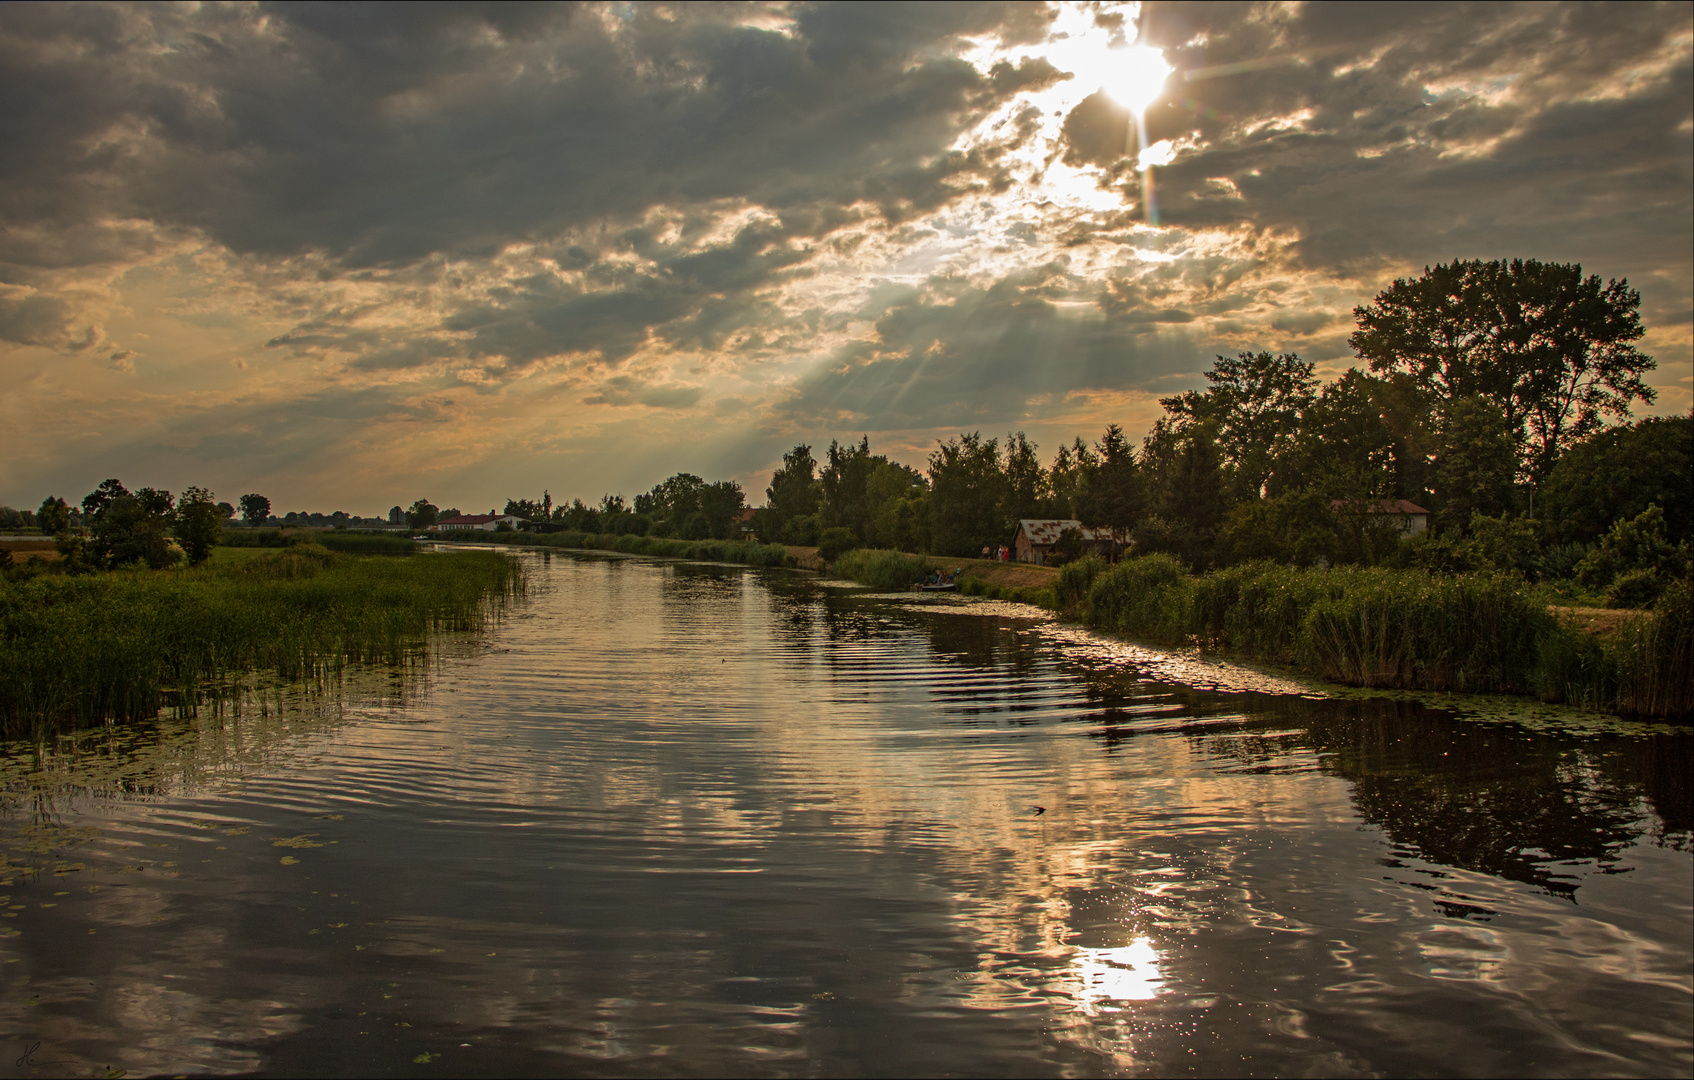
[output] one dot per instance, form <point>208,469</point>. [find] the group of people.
<point>1004,554</point>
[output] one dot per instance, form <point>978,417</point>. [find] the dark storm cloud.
<point>381,134</point>
<point>1434,130</point>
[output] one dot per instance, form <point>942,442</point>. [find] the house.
<point>482,522</point>
<point>1038,537</point>
<point>1413,519</point>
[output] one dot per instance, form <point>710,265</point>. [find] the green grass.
<point>83,650</point>
<point>1396,629</point>
<point>750,552</point>
<point>355,543</point>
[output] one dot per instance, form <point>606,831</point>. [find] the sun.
<point>1134,76</point>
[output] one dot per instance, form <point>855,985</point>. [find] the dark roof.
<point>1045,531</point>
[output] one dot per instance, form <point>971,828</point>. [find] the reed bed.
<point>80,651</point>
<point>1396,629</point>
<point>350,542</point>
<point>750,552</point>
<point>888,571</point>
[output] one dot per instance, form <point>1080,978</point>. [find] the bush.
<point>885,570</point>
<point>1149,597</point>
<point>1075,579</point>
<point>833,542</point>
<point>1635,589</point>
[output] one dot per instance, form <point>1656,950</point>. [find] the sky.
<point>348,256</point>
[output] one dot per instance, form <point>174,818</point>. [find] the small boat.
<point>945,586</point>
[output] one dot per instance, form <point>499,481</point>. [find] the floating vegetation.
<point>81,651</point>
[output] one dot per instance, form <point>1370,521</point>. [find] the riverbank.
<point>81,650</point>
<point>1371,628</point>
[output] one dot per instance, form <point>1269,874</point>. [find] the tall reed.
<point>76,651</point>
<point>1399,629</point>
<point>885,570</point>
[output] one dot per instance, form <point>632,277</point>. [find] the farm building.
<point>1038,539</point>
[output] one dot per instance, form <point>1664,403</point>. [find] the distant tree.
<point>1026,480</point>
<point>1551,347</point>
<point>844,481</point>
<point>967,493</point>
<point>836,541</point>
<point>129,529</point>
<point>1255,404</point>
<point>1344,449</point>
<point>54,515</point>
<point>226,510</point>
<point>1615,475</point>
<point>721,504</point>
<point>895,495</point>
<point>421,515</point>
<point>794,490</point>
<point>1187,500</point>
<point>1067,477</point>
<point>255,509</point>
<point>94,504</point>
<point>1113,496</point>
<point>199,524</point>
<point>396,515</point>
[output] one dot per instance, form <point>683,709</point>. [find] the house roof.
<point>1382,506</point>
<point>1045,531</point>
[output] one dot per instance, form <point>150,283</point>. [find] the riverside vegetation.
<point>84,649</point>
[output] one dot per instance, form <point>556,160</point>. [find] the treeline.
<point>1494,395</point>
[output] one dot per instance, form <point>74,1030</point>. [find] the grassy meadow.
<point>79,650</point>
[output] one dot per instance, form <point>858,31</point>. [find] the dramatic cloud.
<point>351,254</point>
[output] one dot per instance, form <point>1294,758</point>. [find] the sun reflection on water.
<point>1110,976</point>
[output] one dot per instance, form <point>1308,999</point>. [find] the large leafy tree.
<point>1553,348</point>
<point>199,524</point>
<point>1616,474</point>
<point>967,496</point>
<point>54,515</point>
<point>1254,406</point>
<point>255,509</point>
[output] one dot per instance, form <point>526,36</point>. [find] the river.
<point>673,819</point>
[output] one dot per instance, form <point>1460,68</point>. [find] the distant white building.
<point>480,522</point>
<point>1412,518</point>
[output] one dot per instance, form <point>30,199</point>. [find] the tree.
<point>420,515</point>
<point>1026,480</point>
<point>845,479</point>
<point>1255,405</point>
<point>967,493</point>
<point>1113,496</point>
<point>226,510</point>
<point>255,509</point>
<point>94,504</point>
<point>1616,474</point>
<point>130,529</point>
<point>794,490</point>
<point>1552,347</point>
<point>1067,477</point>
<point>54,515</point>
<point>199,524</point>
<point>1476,462</point>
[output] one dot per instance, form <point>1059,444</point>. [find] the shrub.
<point>1076,578</point>
<point>884,570</point>
<point>1148,597</point>
<point>1635,589</point>
<point>833,542</point>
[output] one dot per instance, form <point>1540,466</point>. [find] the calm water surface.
<point>673,819</point>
